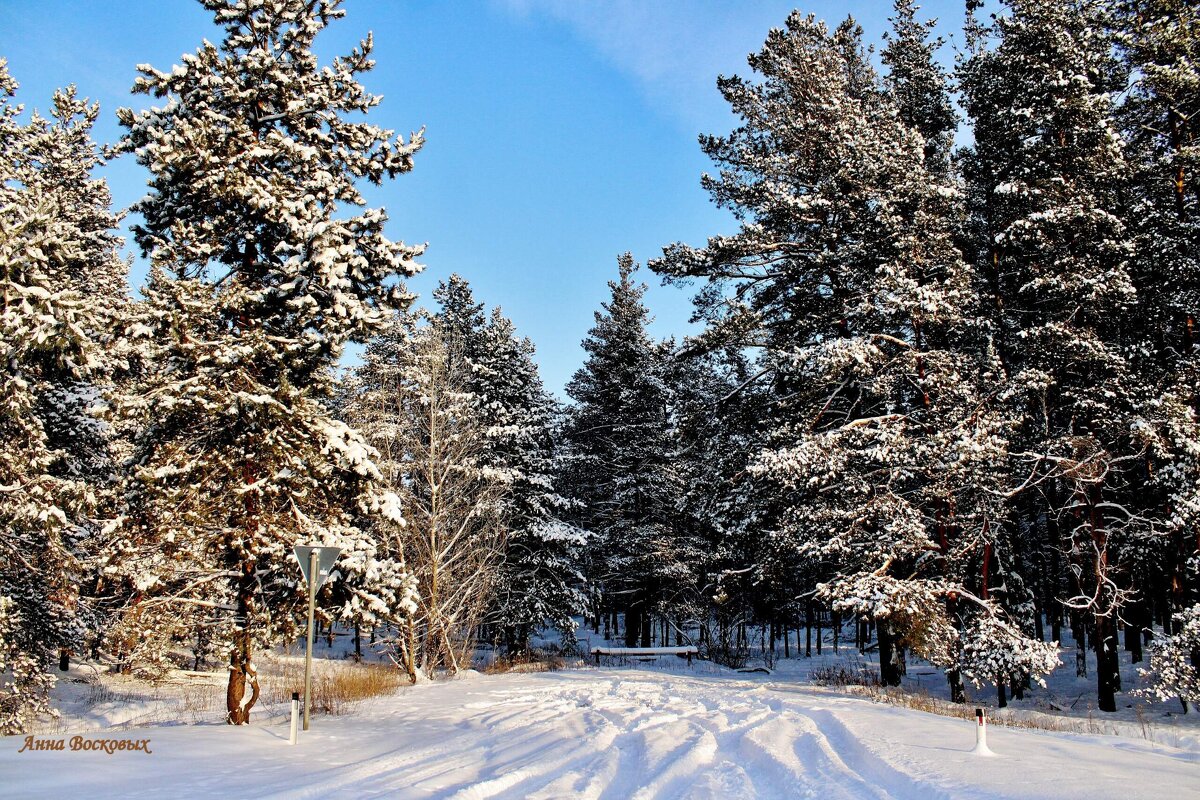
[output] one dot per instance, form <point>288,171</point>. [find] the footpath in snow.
<point>607,734</point>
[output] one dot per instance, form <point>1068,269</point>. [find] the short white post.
<point>981,747</point>
<point>295,717</point>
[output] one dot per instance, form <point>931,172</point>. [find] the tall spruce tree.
<point>618,450</point>
<point>539,580</point>
<point>60,281</point>
<point>260,277</point>
<point>716,413</point>
<point>919,85</point>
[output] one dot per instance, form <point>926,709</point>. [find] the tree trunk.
<point>954,678</point>
<point>241,669</point>
<point>889,665</point>
<point>237,705</point>
<point>1108,676</point>
<point>1079,631</point>
<point>1001,699</point>
<point>808,620</point>
<point>1133,635</point>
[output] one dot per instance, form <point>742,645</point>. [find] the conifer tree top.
<point>254,160</point>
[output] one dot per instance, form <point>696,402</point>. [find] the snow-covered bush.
<point>1175,660</point>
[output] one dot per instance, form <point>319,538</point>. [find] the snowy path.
<point>608,734</point>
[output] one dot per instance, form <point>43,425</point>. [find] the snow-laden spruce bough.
<point>947,395</point>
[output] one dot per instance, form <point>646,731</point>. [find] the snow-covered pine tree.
<point>618,461</point>
<point>1049,246</point>
<point>539,581</point>
<point>918,84</point>
<point>883,437</point>
<point>716,413</point>
<point>377,589</point>
<point>1160,41</point>
<point>462,320</point>
<point>60,275</point>
<point>1175,660</point>
<point>59,156</point>
<point>260,276</point>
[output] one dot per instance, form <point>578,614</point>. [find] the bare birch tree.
<point>413,410</point>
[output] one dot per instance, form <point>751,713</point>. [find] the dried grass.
<point>532,661</point>
<point>1030,720</point>
<point>336,686</point>
<point>843,675</point>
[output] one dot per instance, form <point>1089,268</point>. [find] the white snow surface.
<point>607,734</point>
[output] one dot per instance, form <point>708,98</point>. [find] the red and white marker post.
<point>981,748</point>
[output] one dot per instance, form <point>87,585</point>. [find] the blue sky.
<point>559,133</point>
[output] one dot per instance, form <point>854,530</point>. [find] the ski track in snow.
<point>609,735</point>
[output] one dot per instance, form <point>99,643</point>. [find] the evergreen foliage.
<point>618,460</point>
<point>60,282</point>
<point>260,277</point>
<point>950,395</point>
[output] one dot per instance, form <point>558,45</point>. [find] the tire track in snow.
<point>859,760</point>
<point>635,739</point>
<point>759,731</point>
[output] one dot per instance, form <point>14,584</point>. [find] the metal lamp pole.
<point>313,570</point>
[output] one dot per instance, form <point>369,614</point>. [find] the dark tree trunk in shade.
<point>889,663</point>
<point>633,625</point>
<point>1133,636</point>
<point>1079,631</point>
<point>1108,677</point>
<point>808,619</point>
<point>957,692</point>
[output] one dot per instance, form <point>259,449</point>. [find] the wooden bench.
<point>646,652</point>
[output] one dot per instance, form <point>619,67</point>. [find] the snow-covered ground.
<point>608,733</point>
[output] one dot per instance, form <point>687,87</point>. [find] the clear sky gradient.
<point>560,133</point>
